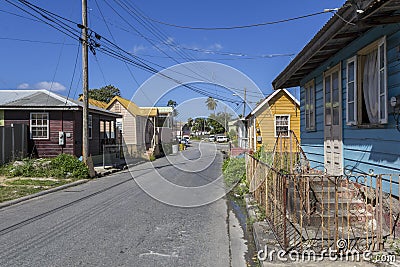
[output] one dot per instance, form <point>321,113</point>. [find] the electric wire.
<point>235,27</point>
<point>34,41</point>
<point>64,29</point>
<point>126,7</point>
<point>73,73</point>
<point>237,55</point>
<point>138,12</point>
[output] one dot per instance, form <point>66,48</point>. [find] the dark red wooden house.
<point>55,122</point>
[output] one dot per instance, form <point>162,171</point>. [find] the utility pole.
<point>85,83</point>
<point>244,103</point>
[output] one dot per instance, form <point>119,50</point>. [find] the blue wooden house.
<point>349,78</point>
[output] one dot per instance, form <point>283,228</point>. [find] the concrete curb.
<point>262,234</point>
<point>41,193</point>
<point>55,189</point>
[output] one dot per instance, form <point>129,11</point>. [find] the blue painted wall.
<point>363,149</point>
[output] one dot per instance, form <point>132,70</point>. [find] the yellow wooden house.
<point>276,115</point>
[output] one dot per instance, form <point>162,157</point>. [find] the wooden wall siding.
<point>282,104</point>
<point>363,149</point>
<point>129,129</point>
<point>49,147</point>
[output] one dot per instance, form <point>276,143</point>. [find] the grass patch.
<point>13,192</point>
<point>62,166</point>
<point>30,182</point>
<point>63,169</point>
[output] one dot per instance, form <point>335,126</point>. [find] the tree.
<point>190,122</point>
<point>173,104</point>
<point>211,103</point>
<point>216,126</point>
<point>200,125</point>
<point>219,122</point>
<point>105,93</point>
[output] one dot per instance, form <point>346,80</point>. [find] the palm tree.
<point>211,104</point>
<point>172,103</point>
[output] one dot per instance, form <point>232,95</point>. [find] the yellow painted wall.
<point>280,104</point>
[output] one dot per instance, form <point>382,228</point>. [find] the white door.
<point>333,144</point>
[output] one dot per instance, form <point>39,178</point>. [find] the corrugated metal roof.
<point>7,96</point>
<point>343,28</point>
<point>42,99</point>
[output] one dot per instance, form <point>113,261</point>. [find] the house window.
<point>39,124</point>
<point>90,126</point>
<point>310,105</point>
<point>366,102</point>
<point>282,125</point>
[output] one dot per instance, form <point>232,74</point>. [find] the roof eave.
<point>290,77</point>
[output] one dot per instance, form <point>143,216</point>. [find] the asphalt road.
<point>113,221</point>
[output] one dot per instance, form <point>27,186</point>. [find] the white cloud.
<point>53,86</point>
<point>138,48</point>
<point>169,40</point>
<point>23,86</point>
<point>216,46</point>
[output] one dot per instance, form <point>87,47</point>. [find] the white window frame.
<point>47,126</point>
<point>355,100</point>
<point>90,126</point>
<point>309,89</point>
<point>282,115</point>
<point>382,93</point>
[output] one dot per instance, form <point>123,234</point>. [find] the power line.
<point>34,41</point>
<point>128,7</point>
<point>73,73</point>
<point>235,27</point>
<point>17,15</point>
<point>136,61</point>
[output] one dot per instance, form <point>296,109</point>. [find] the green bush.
<point>65,165</point>
<point>234,171</point>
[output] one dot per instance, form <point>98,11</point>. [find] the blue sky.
<point>32,64</point>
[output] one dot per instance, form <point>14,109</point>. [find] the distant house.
<point>55,122</point>
<point>277,114</point>
<point>137,125</point>
<point>142,128</point>
<point>242,136</point>
<point>347,74</point>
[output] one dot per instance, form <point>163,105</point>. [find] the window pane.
<point>312,119</point>
<point>328,117</point>
<point>350,72</point>
<point>328,106</point>
<point>350,112</point>
<point>335,87</point>
<point>350,88</point>
<point>382,110</point>
<point>382,81</point>
<point>382,56</point>
<point>336,115</point>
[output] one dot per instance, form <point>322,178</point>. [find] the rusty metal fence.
<point>310,209</point>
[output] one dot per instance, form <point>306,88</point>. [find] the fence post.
<point>379,211</point>
<point>12,142</point>
<point>3,148</point>
<point>285,187</point>
<point>104,157</point>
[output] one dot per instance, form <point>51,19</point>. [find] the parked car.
<point>187,138</point>
<point>222,139</point>
<point>211,138</point>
